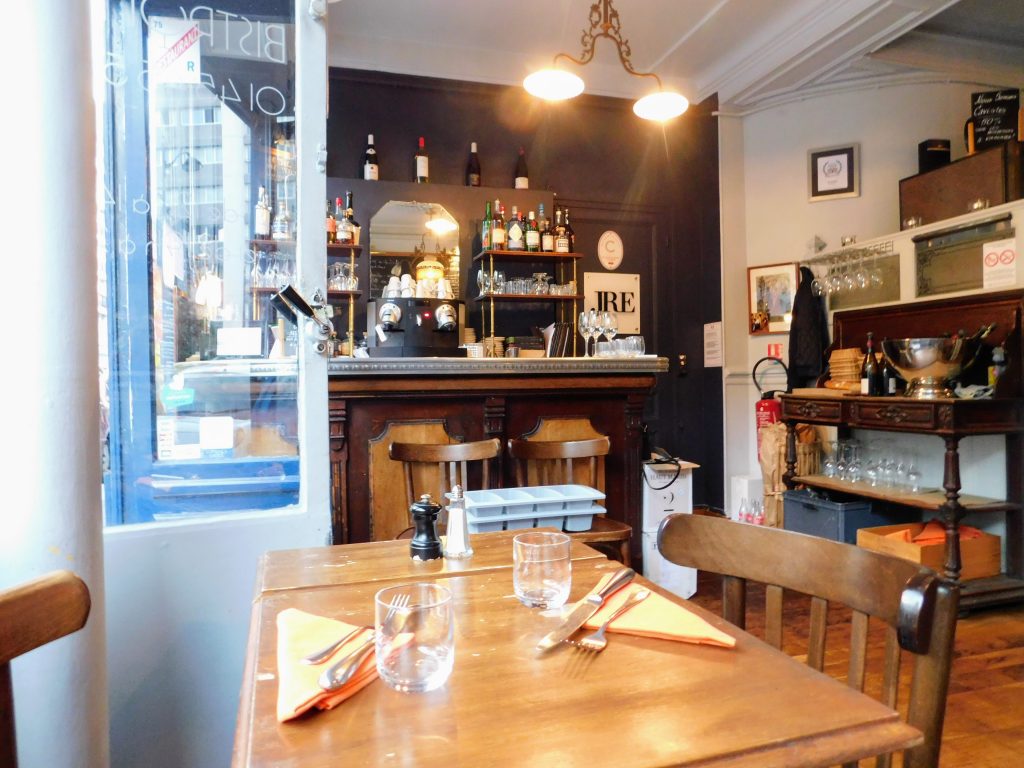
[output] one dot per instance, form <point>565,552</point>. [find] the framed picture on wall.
<point>833,172</point>
<point>770,292</point>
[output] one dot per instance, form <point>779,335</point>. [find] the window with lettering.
<point>199,158</point>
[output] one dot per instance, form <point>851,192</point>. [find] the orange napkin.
<point>300,633</point>
<point>933,533</point>
<point>660,617</point>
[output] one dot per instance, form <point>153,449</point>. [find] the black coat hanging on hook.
<point>808,335</point>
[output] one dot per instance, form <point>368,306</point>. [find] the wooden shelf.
<point>929,500</point>
<point>525,297</point>
<point>333,292</point>
<point>344,248</point>
<point>528,255</point>
<point>273,244</point>
<point>993,590</point>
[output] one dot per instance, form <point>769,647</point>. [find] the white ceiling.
<point>751,52</point>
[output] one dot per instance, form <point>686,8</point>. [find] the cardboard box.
<point>980,557</point>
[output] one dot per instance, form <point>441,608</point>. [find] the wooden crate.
<point>980,556</point>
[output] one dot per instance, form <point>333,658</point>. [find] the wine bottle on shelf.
<point>485,228</point>
<point>890,378</point>
<point>343,235</point>
<point>261,217</point>
<point>560,236</point>
<point>522,176</point>
<point>870,371</point>
<point>499,237</point>
<point>473,167</point>
<point>422,163</point>
<point>516,231</point>
<point>331,224</point>
<point>348,227</point>
<point>547,235</point>
<point>371,165</point>
<point>532,234</point>
<point>569,233</point>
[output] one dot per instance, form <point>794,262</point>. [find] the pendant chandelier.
<point>556,84</point>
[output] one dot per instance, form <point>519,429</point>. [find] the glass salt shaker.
<point>456,545</point>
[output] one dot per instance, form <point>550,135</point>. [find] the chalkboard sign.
<point>995,116</point>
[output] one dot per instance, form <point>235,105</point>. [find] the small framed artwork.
<point>770,292</point>
<point>833,172</point>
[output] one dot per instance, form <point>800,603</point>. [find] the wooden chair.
<point>31,615</point>
<point>919,608</point>
<point>559,462</point>
<point>450,462</point>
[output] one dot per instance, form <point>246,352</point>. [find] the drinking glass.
<point>542,570</point>
<point>415,645</point>
<point>831,459</point>
<point>594,324</point>
<point>584,328</point>
<point>609,325</point>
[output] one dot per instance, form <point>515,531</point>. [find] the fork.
<point>596,642</point>
<point>339,673</point>
<point>318,657</point>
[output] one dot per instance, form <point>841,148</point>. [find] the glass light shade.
<point>661,105</point>
<point>429,269</point>
<point>441,226</point>
<point>553,84</point>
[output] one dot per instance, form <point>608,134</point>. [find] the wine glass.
<point>609,325</point>
<point>594,326</point>
<point>819,286</point>
<point>584,328</point>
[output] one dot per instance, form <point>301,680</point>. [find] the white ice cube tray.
<point>569,507</point>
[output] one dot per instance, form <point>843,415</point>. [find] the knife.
<point>586,608</point>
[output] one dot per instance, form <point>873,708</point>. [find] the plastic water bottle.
<point>743,512</point>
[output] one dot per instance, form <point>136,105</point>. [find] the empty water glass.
<point>415,645</point>
<point>542,569</point>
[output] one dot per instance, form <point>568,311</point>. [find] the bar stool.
<point>560,462</point>
<point>448,461</point>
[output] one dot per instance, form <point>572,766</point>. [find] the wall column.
<point>50,505</point>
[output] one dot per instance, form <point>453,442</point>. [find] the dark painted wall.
<point>607,165</point>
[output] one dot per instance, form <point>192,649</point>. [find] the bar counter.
<point>376,401</point>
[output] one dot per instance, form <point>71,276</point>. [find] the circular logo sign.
<point>609,250</point>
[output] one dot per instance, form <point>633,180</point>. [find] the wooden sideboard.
<point>378,401</point>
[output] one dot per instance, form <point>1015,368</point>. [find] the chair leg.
<point>624,551</point>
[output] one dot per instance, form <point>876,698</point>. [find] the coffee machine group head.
<point>411,327</point>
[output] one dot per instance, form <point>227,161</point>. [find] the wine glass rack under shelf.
<point>486,260</point>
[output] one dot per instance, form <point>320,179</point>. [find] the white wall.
<point>767,218</point>
<point>179,598</point>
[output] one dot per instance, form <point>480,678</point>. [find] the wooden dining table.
<point>641,702</point>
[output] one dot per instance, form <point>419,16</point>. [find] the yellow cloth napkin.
<point>299,634</point>
<point>658,616</point>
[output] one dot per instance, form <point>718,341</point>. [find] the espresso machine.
<point>415,327</point>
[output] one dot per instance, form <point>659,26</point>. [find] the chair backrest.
<point>559,461</point>
<point>443,465</point>
<point>31,615</point>
<point>918,607</point>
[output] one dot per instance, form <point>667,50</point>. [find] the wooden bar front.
<point>375,402</point>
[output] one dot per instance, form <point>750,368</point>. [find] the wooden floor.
<point>985,710</point>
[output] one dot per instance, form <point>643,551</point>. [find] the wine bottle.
<point>473,167</point>
<point>522,177</point>
<point>485,228</point>
<point>371,168</point>
<point>422,163</point>
<point>346,228</point>
<point>547,235</point>
<point>870,372</point>
<point>261,218</point>
<point>569,233</point>
<point>561,238</point>
<point>532,234</point>
<point>331,224</point>
<point>889,376</point>
<point>516,231</point>
<point>498,234</point>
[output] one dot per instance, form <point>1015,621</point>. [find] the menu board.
<point>995,115</point>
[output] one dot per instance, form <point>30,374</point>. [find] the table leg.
<point>787,478</point>
<point>951,510</point>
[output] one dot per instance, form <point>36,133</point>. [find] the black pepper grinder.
<point>425,543</point>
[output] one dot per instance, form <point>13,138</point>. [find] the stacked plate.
<point>494,346</point>
<point>469,335</point>
<point>844,365</point>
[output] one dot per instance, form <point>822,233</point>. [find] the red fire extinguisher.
<point>768,409</point>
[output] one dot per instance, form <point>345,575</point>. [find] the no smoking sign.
<point>999,260</point>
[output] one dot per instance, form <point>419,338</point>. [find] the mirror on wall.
<point>405,235</point>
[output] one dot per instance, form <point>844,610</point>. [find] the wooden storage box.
<point>980,557</point>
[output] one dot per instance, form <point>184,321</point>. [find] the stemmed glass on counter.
<point>589,329</point>
<point>609,325</point>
